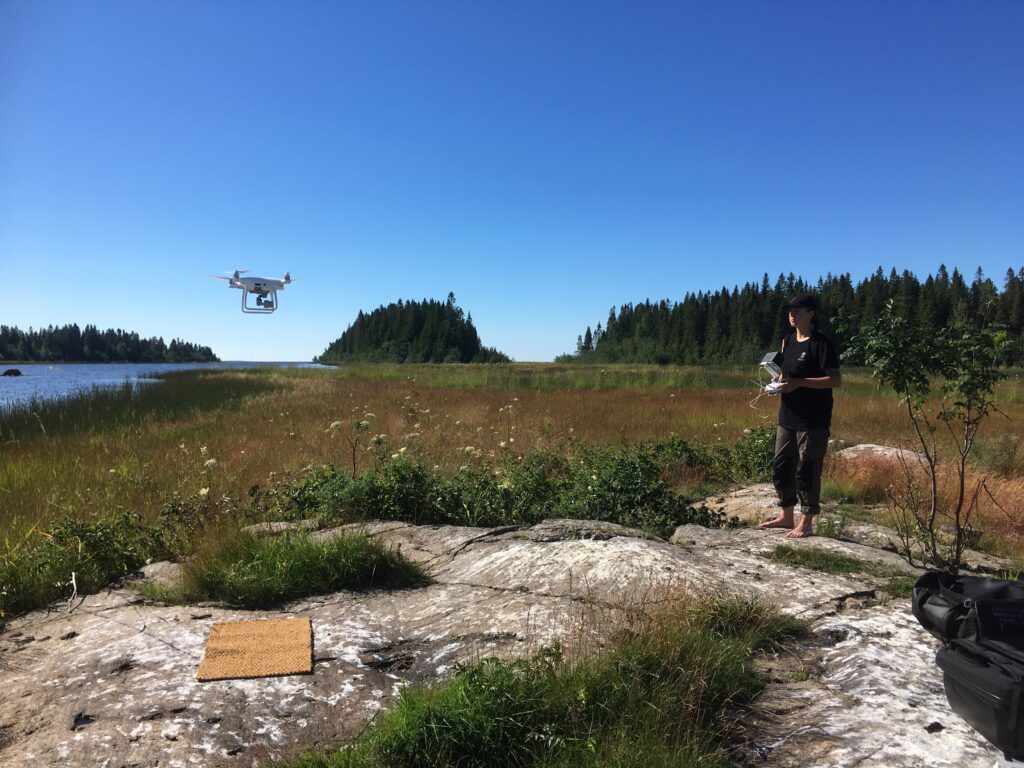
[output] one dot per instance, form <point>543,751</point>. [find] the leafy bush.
<point>966,364</point>
<point>621,486</point>
<point>751,457</point>
<point>748,460</point>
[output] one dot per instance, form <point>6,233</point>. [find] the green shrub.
<point>618,486</point>
<point>74,555</point>
<point>622,486</point>
<point>752,455</point>
<point>748,460</point>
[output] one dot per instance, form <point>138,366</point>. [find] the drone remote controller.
<point>771,363</point>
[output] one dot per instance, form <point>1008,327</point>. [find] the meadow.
<point>208,443</point>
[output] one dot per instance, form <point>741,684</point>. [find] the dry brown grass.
<point>143,466</point>
<point>1000,508</point>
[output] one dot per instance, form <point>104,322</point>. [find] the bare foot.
<point>782,521</point>
<point>803,530</point>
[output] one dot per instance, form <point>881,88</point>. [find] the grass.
<point>899,586</point>
<point>115,408</point>
<point>827,561</point>
<point>212,441</point>
<point>552,376</point>
<point>261,572</point>
<point>658,696</point>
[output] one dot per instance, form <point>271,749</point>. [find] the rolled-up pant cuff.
<point>788,502</point>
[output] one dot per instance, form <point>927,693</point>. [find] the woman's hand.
<point>788,385</point>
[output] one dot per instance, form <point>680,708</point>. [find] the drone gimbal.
<point>265,304</point>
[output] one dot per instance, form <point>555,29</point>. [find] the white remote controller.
<point>771,363</point>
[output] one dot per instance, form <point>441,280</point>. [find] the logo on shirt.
<point>802,356</point>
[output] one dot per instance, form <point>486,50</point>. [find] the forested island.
<point>71,344</point>
<point>412,332</point>
<point>739,325</point>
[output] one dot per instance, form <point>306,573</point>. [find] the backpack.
<point>980,622</point>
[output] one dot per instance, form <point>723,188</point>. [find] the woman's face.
<point>800,318</point>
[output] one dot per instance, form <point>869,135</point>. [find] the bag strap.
<point>999,655</point>
<point>954,597</point>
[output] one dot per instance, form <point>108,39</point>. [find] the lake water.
<point>54,380</point>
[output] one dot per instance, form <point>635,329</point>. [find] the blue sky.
<point>543,160</point>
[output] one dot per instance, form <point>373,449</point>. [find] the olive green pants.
<point>799,456</point>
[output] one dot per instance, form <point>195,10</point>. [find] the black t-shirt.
<point>805,408</point>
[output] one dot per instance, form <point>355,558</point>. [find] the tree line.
<point>414,332</point>
<point>70,344</point>
<point>741,324</point>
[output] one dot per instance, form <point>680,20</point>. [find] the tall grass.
<point>204,436</point>
<point>174,395</point>
<point>656,697</point>
<point>552,376</point>
<point>261,572</point>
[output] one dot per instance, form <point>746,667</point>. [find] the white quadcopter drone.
<point>264,288</point>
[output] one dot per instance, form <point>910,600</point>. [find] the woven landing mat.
<point>257,649</point>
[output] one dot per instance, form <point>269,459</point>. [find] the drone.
<point>264,288</point>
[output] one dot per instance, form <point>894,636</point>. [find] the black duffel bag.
<point>981,625</point>
<point>970,607</point>
<point>984,682</point>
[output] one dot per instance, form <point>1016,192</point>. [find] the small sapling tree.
<point>964,364</point>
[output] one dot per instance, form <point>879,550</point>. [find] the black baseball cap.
<point>803,301</point>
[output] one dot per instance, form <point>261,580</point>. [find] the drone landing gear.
<point>264,304</point>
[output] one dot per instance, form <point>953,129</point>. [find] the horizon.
<point>542,163</point>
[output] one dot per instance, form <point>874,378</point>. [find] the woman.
<point>810,371</point>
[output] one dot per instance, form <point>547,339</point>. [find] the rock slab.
<point>112,683</point>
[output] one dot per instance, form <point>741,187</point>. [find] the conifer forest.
<point>414,332</point>
<point>71,344</point>
<point>741,324</point>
